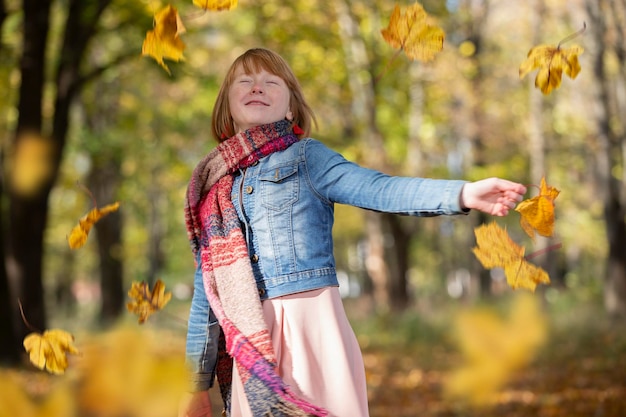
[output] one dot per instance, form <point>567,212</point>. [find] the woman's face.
<point>257,99</point>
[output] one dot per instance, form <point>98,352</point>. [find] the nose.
<point>256,89</point>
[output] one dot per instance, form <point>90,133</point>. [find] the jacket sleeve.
<point>203,333</point>
<point>337,180</point>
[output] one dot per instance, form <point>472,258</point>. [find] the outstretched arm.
<point>494,196</point>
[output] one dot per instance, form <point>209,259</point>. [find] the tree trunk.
<point>385,259</point>
<point>10,346</point>
<point>28,212</point>
<point>608,29</point>
<point>397,256</point>
<point>537,153</point>
<point>472,124</point>
<point>104,183</point>
<point>156,255</point>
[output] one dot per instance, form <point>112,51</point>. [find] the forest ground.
<point>578,371</point>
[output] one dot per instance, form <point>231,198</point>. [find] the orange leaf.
<point>551,62</point>
<point>216,5</point>
<point>537,213</point>
<point>49,351</point>
<point>78,235</point>
<point>496,249</point>
<point>145,303</point>
<point>164,41</point>
<point>414,32</point>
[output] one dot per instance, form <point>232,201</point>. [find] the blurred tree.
<point>26,217</point>
<point>608,28</point>
<point>472,125</point>
<point>103,181</point>
<point>9,346</point>
<point>384,236</point>
<point>28,212</point>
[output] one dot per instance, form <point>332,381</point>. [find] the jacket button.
<point>261,292</point>
<point>249,189</point>
<point>254,258</point>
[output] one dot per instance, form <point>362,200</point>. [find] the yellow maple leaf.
<point>164,41</point>
<point>132,372</point>
<point>537,213</point>
<point>216,5</point>
<point>493,348</point>
<point>49,350</point>
<point>414,32</point>
<point>146,302</point>
<point>495,249</point>
<point>552,61</point>
<point>80,232</point>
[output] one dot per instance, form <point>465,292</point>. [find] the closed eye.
<point>274,81</point>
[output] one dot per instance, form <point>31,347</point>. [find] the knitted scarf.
<point>214,231</point>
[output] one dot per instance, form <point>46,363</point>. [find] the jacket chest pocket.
<point>279,187</point>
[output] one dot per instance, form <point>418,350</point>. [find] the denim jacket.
<point>286,205</point>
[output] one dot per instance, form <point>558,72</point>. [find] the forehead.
<point>256,64</point>
<point>240,70</point>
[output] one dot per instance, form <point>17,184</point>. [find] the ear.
<point>289,116</point>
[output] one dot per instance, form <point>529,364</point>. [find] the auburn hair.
<point>253,61</point>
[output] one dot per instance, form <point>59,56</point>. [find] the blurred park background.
<point>81,109</point>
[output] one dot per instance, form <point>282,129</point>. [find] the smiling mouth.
<point>255,102</point>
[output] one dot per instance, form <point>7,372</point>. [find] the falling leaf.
<point>493,348</point>
<point>164,41</point>
<point>216,5</point>
<point>78,235</point>
<point>551,62</point>
<point>132,372</point>
<point>496,249</point>
<point>145,303</point>
<point>414,32</point>
<point>32,163</point>
<point>537,213</point>
<point>49,351</point>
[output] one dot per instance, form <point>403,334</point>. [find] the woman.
<point>260,213</point>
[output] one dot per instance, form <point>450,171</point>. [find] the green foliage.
<point>157,127</point>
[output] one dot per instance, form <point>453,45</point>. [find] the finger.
<point>514,196</point>
<point>513,187</point>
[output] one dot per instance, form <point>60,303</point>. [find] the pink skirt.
<point>317,353</point>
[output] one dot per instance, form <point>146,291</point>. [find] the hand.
<point>197,404</point>
<point>493,196</point>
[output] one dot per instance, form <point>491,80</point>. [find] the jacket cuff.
<point>453,191</point>
<point>201,381</point>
